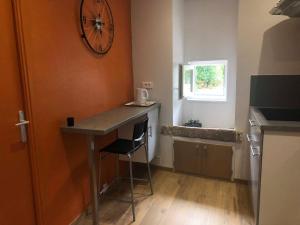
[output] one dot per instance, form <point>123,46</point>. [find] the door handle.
<point>22,125</point>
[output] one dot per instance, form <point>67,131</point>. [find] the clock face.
<point>97,25</point>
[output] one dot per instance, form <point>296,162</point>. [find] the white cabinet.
<point>275,170</point>
<point>126,132</point>
<point>153,133</point>
<point>280,179</point>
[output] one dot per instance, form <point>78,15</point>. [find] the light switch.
<point>147,84</point>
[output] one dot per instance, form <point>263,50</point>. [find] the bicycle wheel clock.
<point>97,25</point>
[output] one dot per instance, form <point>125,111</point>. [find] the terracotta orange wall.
<point>67,80</point>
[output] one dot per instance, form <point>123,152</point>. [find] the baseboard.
<point>163,168</point>
<point>144,166</point>
<point>240,181</point>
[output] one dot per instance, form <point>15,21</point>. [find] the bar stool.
<point>129,147</point>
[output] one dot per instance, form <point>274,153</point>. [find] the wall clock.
<point>97,25</point>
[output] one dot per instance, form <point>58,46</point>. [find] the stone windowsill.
<point>217,134</point>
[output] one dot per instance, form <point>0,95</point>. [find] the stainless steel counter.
<point>270,125</point>
<point>105,122</point>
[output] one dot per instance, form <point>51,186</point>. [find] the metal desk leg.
<point>93,178</point>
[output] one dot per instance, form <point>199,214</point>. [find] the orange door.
<point>16,196</point>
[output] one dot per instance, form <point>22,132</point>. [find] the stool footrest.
<point>125,200</point>
<point>136,179</point>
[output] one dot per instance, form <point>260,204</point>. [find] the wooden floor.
<point>180,199</point>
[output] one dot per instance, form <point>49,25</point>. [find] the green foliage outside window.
<point>210,76</point>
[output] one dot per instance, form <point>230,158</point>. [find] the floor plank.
<point>179,199</point>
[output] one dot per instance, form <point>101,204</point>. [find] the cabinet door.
<point>153,132</point>
<point>217,161</point>
<point>186,157</point>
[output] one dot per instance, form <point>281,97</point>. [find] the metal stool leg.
<point>131,184</point>
<point>99,175</point>
<point>148,165</point>
<point>117,167</point>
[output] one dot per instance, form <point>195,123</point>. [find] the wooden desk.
<point>102,124</point>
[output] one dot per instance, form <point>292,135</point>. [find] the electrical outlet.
<point>147,84</point>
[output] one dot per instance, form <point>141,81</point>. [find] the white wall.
<point>266,45</point>
<point>158,48</point>
<point>210,31</point>
<point>178,57</point>
<point>153,60</point>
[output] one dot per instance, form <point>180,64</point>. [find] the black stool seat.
<point>123,146</point>
<point>128,147</point>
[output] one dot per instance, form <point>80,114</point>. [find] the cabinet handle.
<point>150,131</point>
<point>252,123</point>
<point>250,138</point>
<point>255,151</point>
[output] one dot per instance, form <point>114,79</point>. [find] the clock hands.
<point>98,23</point>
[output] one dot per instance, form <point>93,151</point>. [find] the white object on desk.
<point>142,96</point>
<point>146,104</point>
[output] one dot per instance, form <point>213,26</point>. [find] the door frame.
<point>24,69</point>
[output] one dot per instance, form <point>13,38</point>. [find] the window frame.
<point>207,98</point>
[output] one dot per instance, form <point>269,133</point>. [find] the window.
<point>205,80</point>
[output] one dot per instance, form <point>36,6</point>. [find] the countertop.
<point>270,125</point>
<point>105,122</point>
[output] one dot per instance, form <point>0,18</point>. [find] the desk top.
<point>105,122</point>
